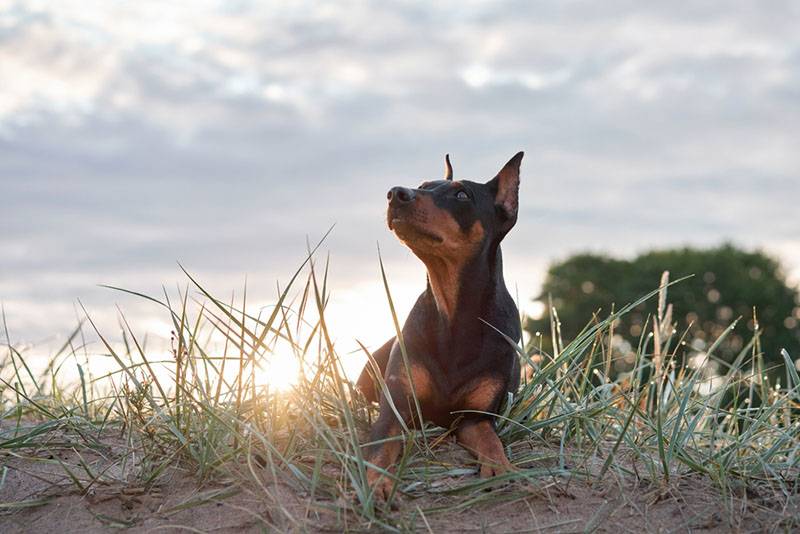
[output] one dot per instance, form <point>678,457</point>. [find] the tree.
<point>727,283</point>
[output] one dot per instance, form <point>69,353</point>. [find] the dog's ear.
<point>505,187</point>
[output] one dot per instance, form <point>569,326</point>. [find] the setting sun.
<point>280,371</point>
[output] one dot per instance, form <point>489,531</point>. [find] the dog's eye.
<point>462,195</point>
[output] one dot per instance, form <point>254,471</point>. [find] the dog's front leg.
<point>479,437</point>
<point>383,454</point>
<point>385,442</point>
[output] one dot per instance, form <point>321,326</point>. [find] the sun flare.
<point>279,372</point>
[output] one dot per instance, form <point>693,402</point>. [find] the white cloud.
<point>221,134</point>
<point>479,76</point>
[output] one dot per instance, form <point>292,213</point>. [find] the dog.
<point>459,364</point>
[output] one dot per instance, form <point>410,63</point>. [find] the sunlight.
<point>362,313</point>
<point>280,372</point>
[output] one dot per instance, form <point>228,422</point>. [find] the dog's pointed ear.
<point>505,187</point>
<point>448,169</point>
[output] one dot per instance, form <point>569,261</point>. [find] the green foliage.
<point>726,283</point>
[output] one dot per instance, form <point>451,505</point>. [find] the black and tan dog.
<point>458,362</point>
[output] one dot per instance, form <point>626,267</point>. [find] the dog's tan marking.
<point>479,438</point>
<point>446,259</point>
<point>475,233</point>
<point>481,394</point>
<point>423,385</point>
<point>434,218</point>
<point>445,291</point>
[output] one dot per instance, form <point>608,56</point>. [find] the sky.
<point>223,135</point>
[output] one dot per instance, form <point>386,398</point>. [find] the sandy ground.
<point>179,502</point>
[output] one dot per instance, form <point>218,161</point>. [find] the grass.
<point>204,413</point>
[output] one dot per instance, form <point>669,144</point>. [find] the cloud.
<point>224,133</point>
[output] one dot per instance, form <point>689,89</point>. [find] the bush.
<point>726,283</point>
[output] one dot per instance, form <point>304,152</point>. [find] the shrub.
<point>725,284</point>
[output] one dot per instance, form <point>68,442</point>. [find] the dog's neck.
<point>449,280</point>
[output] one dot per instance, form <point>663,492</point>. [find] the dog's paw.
<point>383,489</point>
<point>381,485</point>
<point>490,470</point>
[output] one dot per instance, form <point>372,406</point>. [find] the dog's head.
<point>455,219</point>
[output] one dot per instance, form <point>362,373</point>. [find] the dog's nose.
<point>400,195</point>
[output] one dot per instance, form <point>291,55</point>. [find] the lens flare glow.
<point>280,372</point>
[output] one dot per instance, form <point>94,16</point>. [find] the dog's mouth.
<point>409,231</point>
